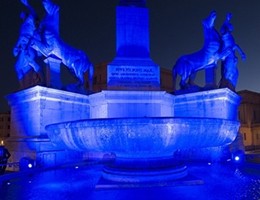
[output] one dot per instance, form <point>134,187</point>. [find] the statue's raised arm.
<point>51,20</point>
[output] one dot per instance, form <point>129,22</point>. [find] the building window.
<point>244,136</point>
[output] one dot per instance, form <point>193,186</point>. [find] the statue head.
<point>29,24</point>
<point>227,26</point>
<point>135,3</point>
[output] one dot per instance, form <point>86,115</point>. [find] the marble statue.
<point>22,50</point>
<point>138,3</point>
<point>229,64</point>
<point>48,42</point>
<point>207,57</point>
<point>50,22</point>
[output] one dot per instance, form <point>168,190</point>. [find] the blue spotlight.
<point>237,158</point>
<point>26,163</point>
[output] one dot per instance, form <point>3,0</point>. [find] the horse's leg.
<point>183,84</point>
<point>81,66</point>
<point>186,73</point>
<point>192,78</point>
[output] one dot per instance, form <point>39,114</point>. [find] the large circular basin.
<point>142,137</point>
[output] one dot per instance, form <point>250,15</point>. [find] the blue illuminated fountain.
<point>133,120</point>
<point>144,128</point>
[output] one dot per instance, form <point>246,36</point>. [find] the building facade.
<point>5,123</point>
<point>249,116</point>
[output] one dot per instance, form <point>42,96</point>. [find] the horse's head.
<point>210,20</point>
<point>49,7</point>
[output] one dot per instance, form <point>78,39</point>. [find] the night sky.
<point>175,29</point>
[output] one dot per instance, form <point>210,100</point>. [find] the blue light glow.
<point>142,128</point>
<point>237,158</point>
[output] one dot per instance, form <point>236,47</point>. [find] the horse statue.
<point>76,60</point>
<point>48,42</point>
<point>207,57</point>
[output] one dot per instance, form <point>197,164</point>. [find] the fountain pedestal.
<point>31,110</point>
<point>144,146</point>
<point>148,170</point>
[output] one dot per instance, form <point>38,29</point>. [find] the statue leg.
<point>183,84</point>
<point>192,79</point>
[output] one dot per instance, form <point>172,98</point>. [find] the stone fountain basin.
<point>149,137</point>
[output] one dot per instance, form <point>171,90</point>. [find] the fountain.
<point>136,122</point>
<point>143,147</point>
<point>143,129</point>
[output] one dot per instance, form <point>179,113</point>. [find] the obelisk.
<point>132,68</point>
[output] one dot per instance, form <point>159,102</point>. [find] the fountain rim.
<point>129,120</point>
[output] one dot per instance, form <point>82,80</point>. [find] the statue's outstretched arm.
<point>240,51</point>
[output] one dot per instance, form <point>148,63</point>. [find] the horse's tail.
<point>177,70</point>
<point>88,67</point>
<point>81,66</point>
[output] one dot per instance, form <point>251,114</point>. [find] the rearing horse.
<point>187,66</point>
<point>76,60</point>
<point>51,45</point>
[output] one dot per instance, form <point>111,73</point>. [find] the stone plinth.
<point>53,78</point>
<point>31,110</point>
<point>117,104</point>
<point>218,103</point>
